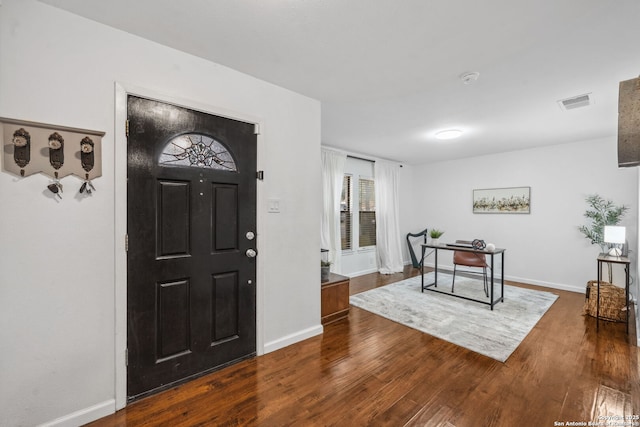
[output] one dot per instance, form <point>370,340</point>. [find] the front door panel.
<point>191,287</point>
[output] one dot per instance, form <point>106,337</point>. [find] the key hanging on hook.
<point>87,185</point>
<point>54,189</point>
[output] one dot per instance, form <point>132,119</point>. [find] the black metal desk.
<point>616,260</point>
<point>431,286</point>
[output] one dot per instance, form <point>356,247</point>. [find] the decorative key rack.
<point>55,151</point>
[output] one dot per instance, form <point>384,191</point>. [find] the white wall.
<point>57,274</point>
<point>545,246</point>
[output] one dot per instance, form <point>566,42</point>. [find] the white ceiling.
<point>387,71</point>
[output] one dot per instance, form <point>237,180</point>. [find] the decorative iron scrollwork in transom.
<point>197,150</point>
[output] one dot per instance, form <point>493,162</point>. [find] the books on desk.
<point>460,245</point>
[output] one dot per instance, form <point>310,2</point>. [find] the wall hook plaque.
<point>56,151</point>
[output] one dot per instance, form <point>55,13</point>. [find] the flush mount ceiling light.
<point>448,134</point>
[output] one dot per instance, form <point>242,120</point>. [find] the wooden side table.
<point>334,296</point>
<point>615,260</point>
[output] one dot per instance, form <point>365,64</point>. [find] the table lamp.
<point>614,236</point>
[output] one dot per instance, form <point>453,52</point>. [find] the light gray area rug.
<point>465,323</point>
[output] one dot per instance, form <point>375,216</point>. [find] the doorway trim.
<point>122,90</point>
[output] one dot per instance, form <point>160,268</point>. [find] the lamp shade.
<point>614,234</point>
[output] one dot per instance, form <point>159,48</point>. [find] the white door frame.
<point>122,90</point>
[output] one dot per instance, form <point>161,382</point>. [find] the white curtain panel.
<point>388,240</point>
<point>332,176</point>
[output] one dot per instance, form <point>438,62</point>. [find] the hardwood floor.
<point>366,370</point>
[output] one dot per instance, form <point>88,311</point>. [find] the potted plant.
<point>324,270</point>
<point>435,236</point>
<point>601,212</point>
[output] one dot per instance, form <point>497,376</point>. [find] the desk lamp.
<point>615,236</point>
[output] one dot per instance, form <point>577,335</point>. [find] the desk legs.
<point>435,277</point>
<point>502,276</point>
<point>435,271</point>
<point>491,282</point>
<point>435,281</point>
<point>501,279</point>
<point>422,270</point>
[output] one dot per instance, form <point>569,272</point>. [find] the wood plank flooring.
<point>369,371</point>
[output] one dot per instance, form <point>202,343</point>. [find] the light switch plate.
<point>274,206</point>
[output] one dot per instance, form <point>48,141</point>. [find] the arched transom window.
<point>197,150</point>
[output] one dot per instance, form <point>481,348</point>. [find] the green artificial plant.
<point>435,233</point>
<point>601,212</point>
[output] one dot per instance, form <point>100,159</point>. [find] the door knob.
<point>251,253</point>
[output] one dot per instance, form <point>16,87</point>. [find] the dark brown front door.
<point>191,225</point>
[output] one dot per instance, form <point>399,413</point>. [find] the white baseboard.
<point>560,286</point>
<point>292,338</point>
<point>361,273</point>
<point>526,280</point>
<point>84,416</point>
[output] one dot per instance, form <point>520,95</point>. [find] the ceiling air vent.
<point>575,102</point>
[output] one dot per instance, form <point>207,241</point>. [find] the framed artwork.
<point>513,200</point>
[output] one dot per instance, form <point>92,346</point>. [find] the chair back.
<point>469,259</point>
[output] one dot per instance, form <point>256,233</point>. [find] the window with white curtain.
<point>358,227</point>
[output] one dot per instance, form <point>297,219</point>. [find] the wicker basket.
<point>612,301</point>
